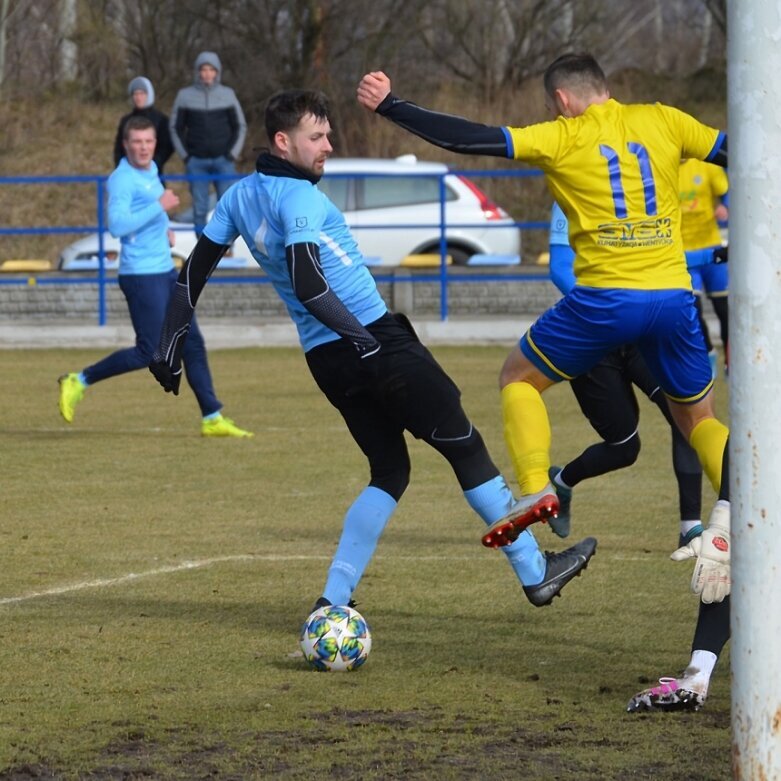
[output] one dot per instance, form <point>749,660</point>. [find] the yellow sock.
<point>708,438</point>
<point>527,434</point>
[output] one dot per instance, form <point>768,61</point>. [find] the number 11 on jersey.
<point>616,185</point>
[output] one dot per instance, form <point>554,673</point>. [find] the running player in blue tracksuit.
<point>137,207</point>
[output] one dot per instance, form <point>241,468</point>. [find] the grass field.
<point>152,585</point>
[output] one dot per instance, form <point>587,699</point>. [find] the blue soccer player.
<point>367,361</point>
<point>613,168</point>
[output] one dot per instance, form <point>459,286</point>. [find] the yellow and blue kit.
<point>614,171</point>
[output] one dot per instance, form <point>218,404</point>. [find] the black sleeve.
<point>446,130</point>
<point>313,291</point>
<point>199,266</point>
<point>192,279</point>
<point>719,155</point>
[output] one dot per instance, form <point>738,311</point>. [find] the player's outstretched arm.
<point>445,130</point>
<point>166,363</point>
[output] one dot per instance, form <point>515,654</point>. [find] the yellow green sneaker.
<point>71,393</point>
<point>221,426</point>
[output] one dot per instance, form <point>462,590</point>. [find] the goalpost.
<point>754,108</point>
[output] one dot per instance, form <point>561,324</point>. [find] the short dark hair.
<point>581,72</point>
<point>137,123</point>
<point>285,109</point>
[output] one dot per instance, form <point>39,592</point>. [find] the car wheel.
<point>460,255</point>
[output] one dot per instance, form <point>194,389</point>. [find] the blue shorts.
<point>580,329</point>
<point>713,278</point>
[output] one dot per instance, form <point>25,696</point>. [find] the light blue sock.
<point>491,501</point>
<point>363,525</point>
<point>213,415</point>
<point>83,379</point>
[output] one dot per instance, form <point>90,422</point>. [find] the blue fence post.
<point>101,254</point>
<point>443,308</point>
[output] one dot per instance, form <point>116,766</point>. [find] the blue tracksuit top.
<point>272,212</point>
<point>137,219</point>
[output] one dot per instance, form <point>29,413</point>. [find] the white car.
<point>393,209</point>
<point>376,194</point>
<point>82,255</point>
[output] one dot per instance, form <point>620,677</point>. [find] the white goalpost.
<point>754,109</point>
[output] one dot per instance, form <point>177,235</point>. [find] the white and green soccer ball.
<point>336,638</point>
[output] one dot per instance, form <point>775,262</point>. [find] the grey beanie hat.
<point>142,83</point>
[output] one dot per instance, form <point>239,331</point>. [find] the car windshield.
<point>382,192</point>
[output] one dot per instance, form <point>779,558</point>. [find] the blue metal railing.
<point>444,276</point>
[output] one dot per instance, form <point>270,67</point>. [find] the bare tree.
<point>718,12</point>
<point>481,47</point>
<point>493,44</point>
<point>68,48</point>
<point>4,9</point>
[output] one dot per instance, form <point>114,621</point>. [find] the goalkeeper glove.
<point>712,578</point>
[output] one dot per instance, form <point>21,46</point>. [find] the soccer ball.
<point>336,637</point>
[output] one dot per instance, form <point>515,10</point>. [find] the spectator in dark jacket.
<point>142,96</point>
<point>208,130</point>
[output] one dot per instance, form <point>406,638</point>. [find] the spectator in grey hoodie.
<point>142,98</point>
<point>208,130</point>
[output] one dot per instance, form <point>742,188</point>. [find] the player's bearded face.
<point>308,146</point>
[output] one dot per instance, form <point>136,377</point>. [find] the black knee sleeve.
<point>390,473</point>
<point>393,483</point>
<point>600,459</point>
<point>463,447</point>
<point>623,454</point>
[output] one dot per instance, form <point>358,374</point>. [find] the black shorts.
<point>606,395</point>
<point>406,389</point>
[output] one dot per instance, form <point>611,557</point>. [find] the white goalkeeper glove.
<point>712,579</point>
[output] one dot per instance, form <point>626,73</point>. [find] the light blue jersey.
<point>137,219</point>
<point>273,212</point>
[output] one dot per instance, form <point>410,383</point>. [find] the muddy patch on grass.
<point>367,745</point>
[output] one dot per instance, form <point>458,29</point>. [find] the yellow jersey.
<point>700,185</point>
<point>614,172</point>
